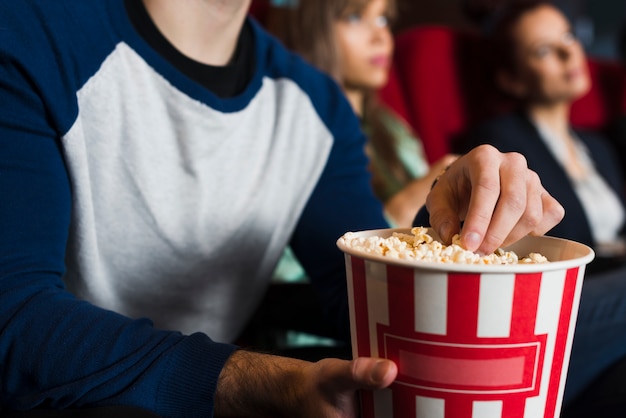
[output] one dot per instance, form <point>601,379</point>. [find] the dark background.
<point>597,22</point>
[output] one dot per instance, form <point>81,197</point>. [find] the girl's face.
<point>551,64</point>
<point>365,45</point>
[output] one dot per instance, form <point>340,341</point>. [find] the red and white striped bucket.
<point>470,341</point>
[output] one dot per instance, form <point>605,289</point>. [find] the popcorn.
<point>421,246</point>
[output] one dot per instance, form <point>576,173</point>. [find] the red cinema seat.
<point>444,85</point>
<point>603,103</point>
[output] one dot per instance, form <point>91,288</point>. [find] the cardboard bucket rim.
<point>571,254</point>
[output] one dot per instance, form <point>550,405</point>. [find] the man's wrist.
<point>255,384</point>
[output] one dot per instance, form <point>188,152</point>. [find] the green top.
<point>409,150</point>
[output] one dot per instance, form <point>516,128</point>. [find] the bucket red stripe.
<point>359,288</point>
<point>459,407</point>
<point>561,341</point>
<point>463,291</point>
<point>514,407</point>
<point>404,402</point>
<point>401,299</point>
<point>525,303</point>
<point>367,404</point>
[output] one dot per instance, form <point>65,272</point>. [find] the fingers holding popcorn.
<point>496,196</point>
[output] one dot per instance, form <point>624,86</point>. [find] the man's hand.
<point>496,196</point>
<point>261,385</point>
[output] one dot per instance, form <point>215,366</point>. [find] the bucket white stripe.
<point>431,301</point>
<point>495,305</point>
<point>377,300</point>
<point>429,407</point>
<point>487,409</point>
<point>383,403</point>
<point>352,314</point>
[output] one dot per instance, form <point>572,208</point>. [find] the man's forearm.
<point>261,385</point>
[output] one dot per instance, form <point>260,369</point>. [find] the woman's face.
<point>551,64</point>
<point>365,46</point>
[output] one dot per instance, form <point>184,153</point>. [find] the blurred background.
<point>598,23</point>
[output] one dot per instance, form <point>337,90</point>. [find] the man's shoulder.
<point>37,30</point>
<point>282,63</point>
<point>49,49</point>
<point>325,95</point>
<point>35,16</point>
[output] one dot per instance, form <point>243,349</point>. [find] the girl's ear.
<point>511,84</point>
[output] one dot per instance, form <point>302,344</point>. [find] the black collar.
<point>225,81</point>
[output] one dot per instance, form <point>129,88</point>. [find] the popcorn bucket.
<point>470,341</point>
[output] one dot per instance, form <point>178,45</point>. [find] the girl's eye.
<point>382,22</point>
<point>542,51</point>
<point>353,18</point>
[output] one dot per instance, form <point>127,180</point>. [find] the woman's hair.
<point>479,12</point>
<point>500,31</point>
<point>500,49</point>
<point>312,36</point>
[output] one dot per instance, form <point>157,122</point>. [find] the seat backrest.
<point>603,104</point>
<point>446,88</point>
<point>444,85</point>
